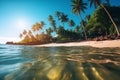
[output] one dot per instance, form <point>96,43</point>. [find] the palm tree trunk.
<point>83,28</point>
<point>111,19</point>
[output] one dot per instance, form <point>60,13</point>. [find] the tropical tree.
<point>58,14</point>
<point>79,6</point>
<point>99,3</point>
<point>42,23</point>
<point>29,32</point>
<point>37,36</point>
<point>34,28</point>
<point>26,39</point>
<point>100,24</point>
<point>52,22</point>
<point>50,18</point>
<point>38,26</point>
<point>49,31</point>
<point>83,23</point>
<point>53,25</point>
<point>24,32</point>
<point>21,35</point>
<point>63,18</point>
<point>71,23</point>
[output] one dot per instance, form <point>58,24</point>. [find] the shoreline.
<point>98,44</point>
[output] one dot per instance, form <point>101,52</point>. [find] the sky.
<point>16,15</point>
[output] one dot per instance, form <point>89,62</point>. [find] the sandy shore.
<point>99,44</point>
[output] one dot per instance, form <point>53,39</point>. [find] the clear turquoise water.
<point>59,63</point>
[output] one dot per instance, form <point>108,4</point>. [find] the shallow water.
<point>59,63</point>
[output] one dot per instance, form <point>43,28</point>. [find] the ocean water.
<point>59,63</point>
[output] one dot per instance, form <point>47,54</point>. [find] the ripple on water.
<point>63,63</point>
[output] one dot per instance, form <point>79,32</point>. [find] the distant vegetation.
<point>103,24</point>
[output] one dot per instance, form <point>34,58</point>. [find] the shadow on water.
<point>68,63</point>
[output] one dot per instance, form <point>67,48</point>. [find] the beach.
<point>99,44</point>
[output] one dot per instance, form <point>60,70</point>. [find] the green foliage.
<point>78,6</point>
<point>52,22</point>
<point>96,3</point>
<point>93,26</point>
<point>100,24</point>
<point>67,35</point>
<point>71,23</point>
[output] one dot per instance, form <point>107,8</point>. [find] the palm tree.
<point>20,35</point>
<point>78,7</point>
<point>42,23</point>
<point>30,32</point>
<point>24,32</point>
<point>83,23</point>
<point>27,39</point>
<point>50,18</point>
<point>63,18</point>
<point>49,31</point>
<point>58,14</point>
<point>99,3</point>
<point>38,26</point>
<point>35,27</point>
<point>37,36</point>
<point>54,25</point>
<point>71,23</point>
<point>52,22</point>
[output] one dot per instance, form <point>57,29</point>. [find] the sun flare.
<point>22,23</point>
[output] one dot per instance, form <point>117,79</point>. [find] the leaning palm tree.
<point>79,6</point>
<point>33,28</point>
<point>99,3</point>
<point>58,14</point>
<point>52,22</point>
<point>42,23</point>
<point>49,31</point>
<point>83,23</point>
<point>38,26</point>
<point>24,32</point>
<point>29,32</point>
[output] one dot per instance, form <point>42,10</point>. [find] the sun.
<point>22,23</point>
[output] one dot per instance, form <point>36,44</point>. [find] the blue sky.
<point>16,15</point>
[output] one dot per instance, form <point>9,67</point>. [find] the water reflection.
<point>68,63</point>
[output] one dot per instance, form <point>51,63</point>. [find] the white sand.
<point>99,44</point>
